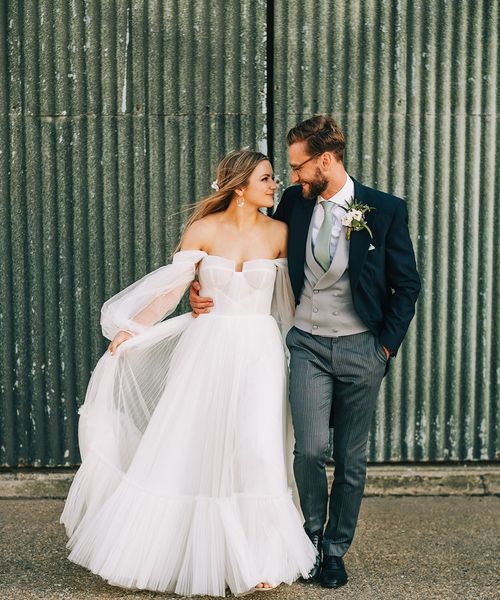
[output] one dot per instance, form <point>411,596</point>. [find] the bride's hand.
<point>120,337</point>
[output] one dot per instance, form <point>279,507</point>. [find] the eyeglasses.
<point>298,167</point>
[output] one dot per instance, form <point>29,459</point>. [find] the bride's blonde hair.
<point>233,173</point>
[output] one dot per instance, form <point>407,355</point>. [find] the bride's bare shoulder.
<point>278,232</point>
<point>278,228</point>
<point>199,233</point>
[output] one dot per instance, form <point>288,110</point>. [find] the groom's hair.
<point>321,133</point>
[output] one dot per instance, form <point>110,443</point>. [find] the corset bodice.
<point>248,292</point>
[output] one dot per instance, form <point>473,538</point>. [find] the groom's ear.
<point>326,160</point>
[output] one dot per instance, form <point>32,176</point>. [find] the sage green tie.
<point>322,245</point>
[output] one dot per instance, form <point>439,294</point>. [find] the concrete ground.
<point>435,547</point>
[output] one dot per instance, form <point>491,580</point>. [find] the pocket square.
<point>371,247</point>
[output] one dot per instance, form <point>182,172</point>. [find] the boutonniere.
<point>354,219</point>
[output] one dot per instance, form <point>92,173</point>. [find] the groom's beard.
<point>314,188</point>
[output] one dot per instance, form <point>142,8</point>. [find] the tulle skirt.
<point>185,483</point>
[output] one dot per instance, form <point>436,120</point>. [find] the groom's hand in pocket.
<point>199,304</point>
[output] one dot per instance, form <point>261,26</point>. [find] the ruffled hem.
<point>93,483</point>
<point>189,545</point>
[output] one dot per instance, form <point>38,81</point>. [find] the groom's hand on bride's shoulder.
<point>199,304</point>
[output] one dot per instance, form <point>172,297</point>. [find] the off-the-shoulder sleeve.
<point>150,299</point>
<point>283,303</point>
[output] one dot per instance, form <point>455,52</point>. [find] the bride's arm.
<point>192,241</point>
<point>148,301</point>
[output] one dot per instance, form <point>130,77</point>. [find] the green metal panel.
<point>415,87</point>
<point>113,117</point>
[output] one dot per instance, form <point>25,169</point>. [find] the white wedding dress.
<point>186,482</point>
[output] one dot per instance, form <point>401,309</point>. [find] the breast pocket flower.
<point>354,219</point>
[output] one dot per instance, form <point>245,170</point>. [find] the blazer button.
<point>335,312</point>
<point>316,291</point>
<point>315,309</point>
<point>315,327</point>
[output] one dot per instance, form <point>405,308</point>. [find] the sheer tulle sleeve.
<point>150,299</point>
<point>283,310</point>
<point>283,304</point>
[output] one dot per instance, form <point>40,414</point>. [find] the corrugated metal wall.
<point>415,86</point>
<point>113,116</point>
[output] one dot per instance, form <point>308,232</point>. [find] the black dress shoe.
<point>317,540</point>
<point>333,573</point>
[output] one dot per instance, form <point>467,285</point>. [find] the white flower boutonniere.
<point>354,218</point>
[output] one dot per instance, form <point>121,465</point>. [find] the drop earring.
<point>240,202</point>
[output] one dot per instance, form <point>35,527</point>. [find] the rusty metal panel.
<point>415,87</point>
<point>113,117</point>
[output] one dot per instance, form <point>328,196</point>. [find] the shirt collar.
<point>343,196</point>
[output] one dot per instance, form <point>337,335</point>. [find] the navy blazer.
<point>384,281</point>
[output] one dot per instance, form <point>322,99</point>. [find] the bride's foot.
<point>263,586</point>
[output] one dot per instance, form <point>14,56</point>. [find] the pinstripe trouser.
<point>342,375</point>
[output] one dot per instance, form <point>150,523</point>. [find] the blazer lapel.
<point>360,240</point>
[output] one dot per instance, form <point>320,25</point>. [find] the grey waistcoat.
<point>326,306</point>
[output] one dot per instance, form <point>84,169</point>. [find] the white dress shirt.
<point>342,197</point>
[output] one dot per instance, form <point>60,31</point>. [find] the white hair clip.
<point>215,186</point>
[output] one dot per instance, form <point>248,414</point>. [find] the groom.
<point>355,291</point>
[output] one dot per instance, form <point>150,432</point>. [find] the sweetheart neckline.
<point>231,260</point>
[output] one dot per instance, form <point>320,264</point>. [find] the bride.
<point>186,482</point>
